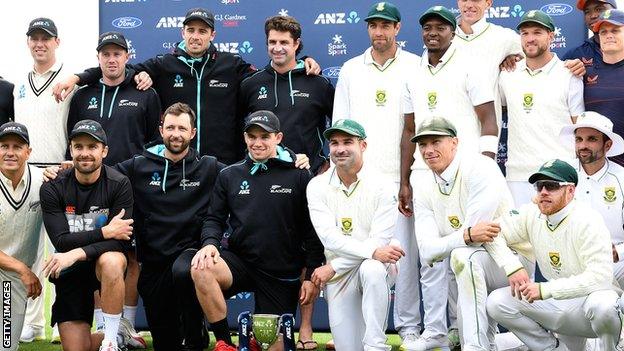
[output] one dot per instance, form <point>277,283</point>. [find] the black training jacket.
<point>268,214</point>
<point>210,86</point>
<point>129,116</point>
<point>303,104</point>
<point>6,101</point>
<point>171,200</point>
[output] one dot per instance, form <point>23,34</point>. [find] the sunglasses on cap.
<point>550,185</point>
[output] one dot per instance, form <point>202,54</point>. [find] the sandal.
<point>307,345</point>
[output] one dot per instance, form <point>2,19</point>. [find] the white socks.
<point>111,326</point>
<point>129,313</point>
<point>99,319</point>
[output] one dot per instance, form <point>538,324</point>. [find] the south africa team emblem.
<point>380,97</point>
<point>347,226</point>
<point>555,261</point>
<point>455,223</point>
<point>609,194</point>
<point>527,102</point>
<point>432,100</point>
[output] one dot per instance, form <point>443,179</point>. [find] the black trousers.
<point>174,315</point>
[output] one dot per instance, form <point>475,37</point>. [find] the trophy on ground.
<point>265,328</point>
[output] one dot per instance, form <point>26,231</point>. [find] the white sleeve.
<point>341,96</point>
<point>408,106</point>
<point>501,89</point>
<point>341,265</point>
<point>576,104</point>
<point>513,231</point>
<point>513,43</point>
<point>480,88</point>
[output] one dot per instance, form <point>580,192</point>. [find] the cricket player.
<point>352,208</point>
<point>573,248</point>
<point>20,227</point>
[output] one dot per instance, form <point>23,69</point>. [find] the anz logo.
<point>337,18</point>
<point>515,11</point>
<point>155,179</point>
<point>244,188</point>
<point>170,22</point>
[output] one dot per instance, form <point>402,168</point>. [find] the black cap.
<point>91,128</point>
<point>200,14</point>
<point>112,38</point>
<point>45,24</point>
<point>266,120</point>
<point>15,128</point>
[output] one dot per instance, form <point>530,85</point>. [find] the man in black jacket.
<point>200,76</point>
<point>302,102</point>
<point>86,212</point>
<point>263,198</point>
<point>6,101</point>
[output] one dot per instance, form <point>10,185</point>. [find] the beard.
<point>175,149</point>
<point>88,169</point>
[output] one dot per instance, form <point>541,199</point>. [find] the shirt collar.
<point>55,68</point>
<point>443,60</point>
<point>555,219</point>
<point>334,180</point>
<point>596,176</point>
<point>448,175</point>
<point>9,183</point>
<point>547,67</point>
<point>368,58</point>
<point>479,27</point>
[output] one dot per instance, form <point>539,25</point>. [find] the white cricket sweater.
<point>352,222</point>
<point>372,95</point>
<point>573,252</point>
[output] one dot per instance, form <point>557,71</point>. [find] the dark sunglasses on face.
<point>550,185</point>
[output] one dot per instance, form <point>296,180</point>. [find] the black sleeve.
<point>7,112</point>
<point>152,118</point>
<point>89,76</point>
<point>218,212</point>
<point>243,69</point>
<point>152,66</point>
<point>314,250</point>
<point>122,199</point>
<point>329,101</point>
<point>55,221</point>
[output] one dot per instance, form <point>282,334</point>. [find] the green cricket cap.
<point>384,10</point>
<point>435,126</point>
<point>556,169</point>
<point>348,126</point>
<point>539,17</point>
<point>439,11</point>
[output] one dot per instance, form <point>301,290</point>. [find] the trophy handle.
<point>287,327</point>
<point>244,329</point>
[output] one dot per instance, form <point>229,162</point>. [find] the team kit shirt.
<point>572,248</point>
<point>604,93</point>
<point>46,120</point>
<point>371,94</point>
<point>588,52</point>
<point>74,214</point>
<point>539,103</point>
<point>451,89</point>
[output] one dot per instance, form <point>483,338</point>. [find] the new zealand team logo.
<point>527,102</point>
<point>262,93</point>
<point>244,188</point>
<point>454,221</point>
<point>609,194</point>
<point>432,100</point>
<point>156,181</point>
<point>380,97</point>
<point>555,261</point>
<point>178,82</point>
<point>93,104</point>
<point>347,226</point>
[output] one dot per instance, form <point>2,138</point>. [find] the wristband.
<point>488,143</point>
<point>469,236</point>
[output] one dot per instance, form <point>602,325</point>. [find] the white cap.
<point>596,121</point>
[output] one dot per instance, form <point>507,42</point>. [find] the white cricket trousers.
<point>35,308</point>
<point>590,316</point>
<point>13,295</point>
<point>477,274</point>
<point>359,304</point>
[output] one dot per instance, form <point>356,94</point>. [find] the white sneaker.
<point>453,337</point>
<point>425,343</point>
<point>410,337</point>
<point>108,345</point>
<point>134,340</point>
<point>30,334</point>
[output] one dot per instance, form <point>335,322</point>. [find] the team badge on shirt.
<point>555,261</point>
<point>380,97</point>
<point>432,100</point>
<point>609,194</point>
<point>455,223</point>
<point>347,226</point>
<point>527,102</point>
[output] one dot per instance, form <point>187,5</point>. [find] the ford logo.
<point>331,72</point>
<point>127,22</point>
<point>557,9</point>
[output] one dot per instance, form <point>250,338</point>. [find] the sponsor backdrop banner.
<point>333,32</point>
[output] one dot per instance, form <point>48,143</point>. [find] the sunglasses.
<point>550,185</point>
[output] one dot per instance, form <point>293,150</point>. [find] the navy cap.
<point>14,128</point>
<point>200,14</point>
<point>91,128</point>
<point>42,23</point>
<point>112,38</point>
<point>266,120</point>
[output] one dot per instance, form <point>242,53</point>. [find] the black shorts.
<point>271,295</point>
<point>74,294</point>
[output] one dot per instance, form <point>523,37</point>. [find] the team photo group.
<point>194,176</point>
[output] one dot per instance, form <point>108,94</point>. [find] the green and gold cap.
<point>439,11</point>
<point>435,126</point>
<point>539,17</point>
<point>384,10</point>
<point>348,126</point>
<point>556,169</point>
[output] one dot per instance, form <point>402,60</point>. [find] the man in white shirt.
<point>573,248</point>
<point>352,208</point>
<point>459,191</point>
<point>600,180</point>
<point>35,107</point>
<point>20,227</point>
<point>443,85</point>
<point>369,91</point>
<point>541,96</point>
